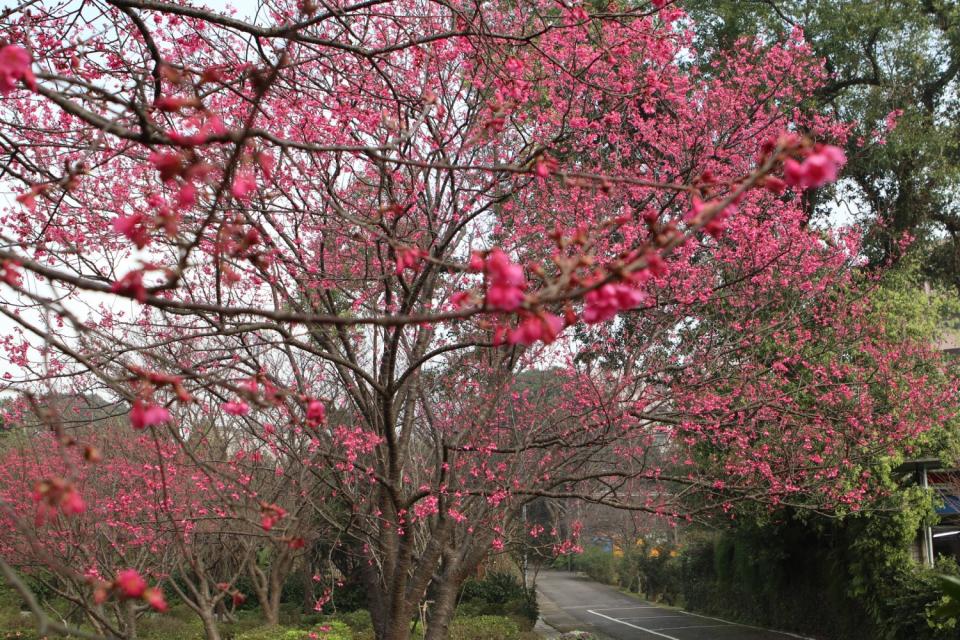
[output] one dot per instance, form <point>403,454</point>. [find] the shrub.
<point>597,563</point>
<point>499,594</point>
<point>495,587</point>
<point>358,620</point>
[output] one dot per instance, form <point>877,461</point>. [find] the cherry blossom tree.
<point>382,249</point>
<point>94,552</point>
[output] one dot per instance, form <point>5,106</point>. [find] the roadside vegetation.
<point>495,607</point>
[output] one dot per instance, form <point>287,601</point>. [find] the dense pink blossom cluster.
<point>15,66</point>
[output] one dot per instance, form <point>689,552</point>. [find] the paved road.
<point>569,601</point>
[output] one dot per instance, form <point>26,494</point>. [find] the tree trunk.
<point>129,620</point>
<point>267,595</point>
<point>309,597</point>
<point>399,626</point>
<point>441,613</point>
<point>210,629</point>
<point>391,618</point>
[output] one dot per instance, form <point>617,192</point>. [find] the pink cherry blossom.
<point>15,65</point>
<point>244,183</point>
<point>316,412</point>
<point>154,598</point>
<point>130,583</point>
<point>817,169</point>
<point>170,164</point>
<point>133,228</point>
<point>604,303</point>
<point>143,415</point>
<point>72,503</point>
<point>408,258</point>
<point>131,285</point>
<point>236,408</point>
<point>536,328</point>
<point>507,282</point>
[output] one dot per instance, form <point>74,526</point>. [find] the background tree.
<point>893,74</point>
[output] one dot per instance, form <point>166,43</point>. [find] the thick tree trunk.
<point>441,612</point>
<point>392,617</point>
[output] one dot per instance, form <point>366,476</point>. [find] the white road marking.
<point>696,626</point>
<point>600,607</point>
<point>656,633</point>
<point>749,626</point>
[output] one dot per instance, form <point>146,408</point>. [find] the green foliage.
<point>650,568</point>
<point>358,620</point>
<point>598,563</point>
<point>495,587</point>
<point>181,624</point>
<point>349,597</point>
<point>883,56</point>
<point>499,593</point>
<point>463,627</point>
<point>843,579</point>
<point>950,609</point>
<point>177,624</point>
<point>329,630</point>
<point>12,623</point>
<point>484,628</point>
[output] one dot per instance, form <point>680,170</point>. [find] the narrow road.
<point>569,601</point>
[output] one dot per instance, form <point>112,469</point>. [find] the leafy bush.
<point>651,569</point>
<point>598,563</point>
<point>495,587</point>
<point>358,620</point>
<point>348,597</point>
<point>499,594</point>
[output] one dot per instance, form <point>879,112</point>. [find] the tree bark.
<point>129,620</point>
<point>441,612</point>
<point>210,629</point>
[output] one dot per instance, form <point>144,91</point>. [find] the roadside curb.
<point>544,630</point>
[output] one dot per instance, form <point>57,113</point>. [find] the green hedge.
<point>839,580</point>
<point>598,563</point>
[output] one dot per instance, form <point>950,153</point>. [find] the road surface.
<point>570,601</point>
